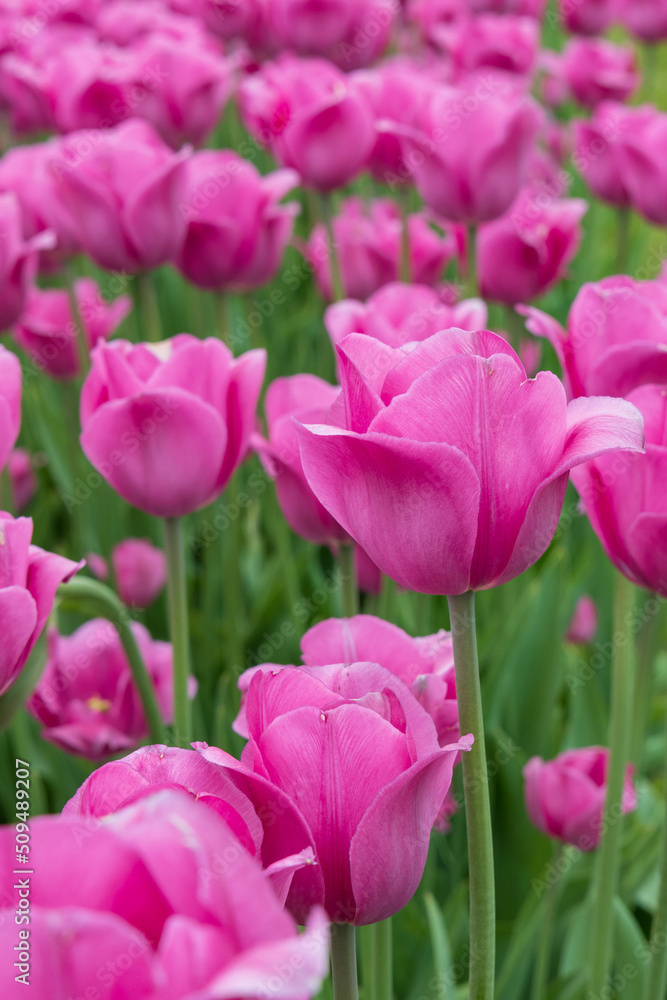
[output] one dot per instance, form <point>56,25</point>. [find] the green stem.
<point>6,492</point>
<point>349,581</point>
<point>83,348</point>
<point>179,627</point>
<point>647,642</point>
<point>149,308</point>
<point>472,261</point>
<point>650,65</point>
<point>623,246</point>
<point>93,597</point>
<point>344,962</point>
<point>620,733</point>
<point>405,269</point>
<point>542,961</point>
<point>337,285</point>
<point>656,980</point>
<point>223,325</point>
<point>476,794</point>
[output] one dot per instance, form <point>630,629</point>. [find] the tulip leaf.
<point>440,946</point>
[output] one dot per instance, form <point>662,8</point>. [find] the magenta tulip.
<point>600,150</point>
<point>236,229</point>
<point>11,386</point>
<point>86,699</point>
<point>19,259</point>
<point>158,883</point>
<point>625,501</point>
<point>588,17</point>
<point>400,314</point>
<point>351,33</point>
<point>368,247</point>
<point>140,571</point>
<point>616,336</point>
<point>596,70</point>
<point>29,578</point>
<point>584,623</point>
<point>359,758</point>
<point>565,796</point>
<point>47,328</point>
<point>312,119</point>
<point>491,41</point>
<point>645,19</point>
<point>642,156</point>
<point>22,478</point>
<point>527,251</point>
<point>469,153</point>
<point>425,664</point>
<point>405,457</point>
<point>167,425</point>
<point>122,187</point>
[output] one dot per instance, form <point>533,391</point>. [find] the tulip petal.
<point>624,367</point>
<point>599,425</point>
<point>18,618</point>
<point>425,496</point>
<point>161,451</point>
<point>318,144</point>
<point>647,538</point>
<point>245,385</point>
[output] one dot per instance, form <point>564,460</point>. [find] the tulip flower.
<point>86,699</point>
<point>368,248</point>
<point>18,259</point>
<point>359,758</point>
<point>584,623</point>
<point>588,17</point>
<point>29,578</point>
<point>408,460</point>
<point>351,33</point>
<point>236,229</point>
<point>425,664</point>
<point>400,314</point>
<point>643,166</point>
<point>565,796</point>
<point>10,403</point>
<point>47,328</point>
<point>22,478</point>
<point>615,339</point>
<point>523,254</point>
<point>165,880</point>
<point>595,70</point>
<point>469,152</point>
<point>601,145</point>
<point>312,119</point>
<point>122,187</point>
<point>645,19</point>
<point>490,41</point>
<point>624,500</point>
<point>140,571</point>
<point>167,425</point>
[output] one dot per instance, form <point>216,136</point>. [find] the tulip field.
<point>333,499</point>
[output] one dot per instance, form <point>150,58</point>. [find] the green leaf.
<point>13,699</point>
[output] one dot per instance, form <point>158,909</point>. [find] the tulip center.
<point>98,704</point>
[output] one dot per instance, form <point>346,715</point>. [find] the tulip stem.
<point>647,642</point>
<point>223,326</point>
<point>476,794</point>
<point>337,285</point>
<point>405,269</point>
<point>541,973</point>
<point>344,962</point>
<point>472,261</point>
<point>91,596</point>
<point>656,980</point>
<point>623,247</point>
<point>348,581</point>
<point>620,738</point>
<point>179,628</point>
<point>149,308</point>
<point>82,347</point>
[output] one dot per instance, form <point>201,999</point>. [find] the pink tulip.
<point>565,796</point>
<point>616,336</point>
<point>596,70</point>
<point>97,565</point>
<point>124,22</point>
<point>18,260</point>
<point>588,17</point>
<point>167,425</point>
<point>643,165</point>
<point>584,624</point>
<point>400,314</point>
<point>228,19</point>
<point>10,403</point>
<point>22,478</point>
<point>368,246</point>
<point>468,155</point>
<point>86,699</point>
<point>625,501</point>
<point>312,119</point>
<point>521,8</point>
<point>491,41</point>
<point>140,571</point>
<point>351,33</point>
<point>29,578</point>
<point>527,251</point>
<point>121,187</point>
<point>601,146</point>
<point>236,228</point>
<point>160,882</point>
<point>47,329</point>
<point>645,19</point>
<point>359,758</point>
<point>425,664</point>
<point>404,457</point>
